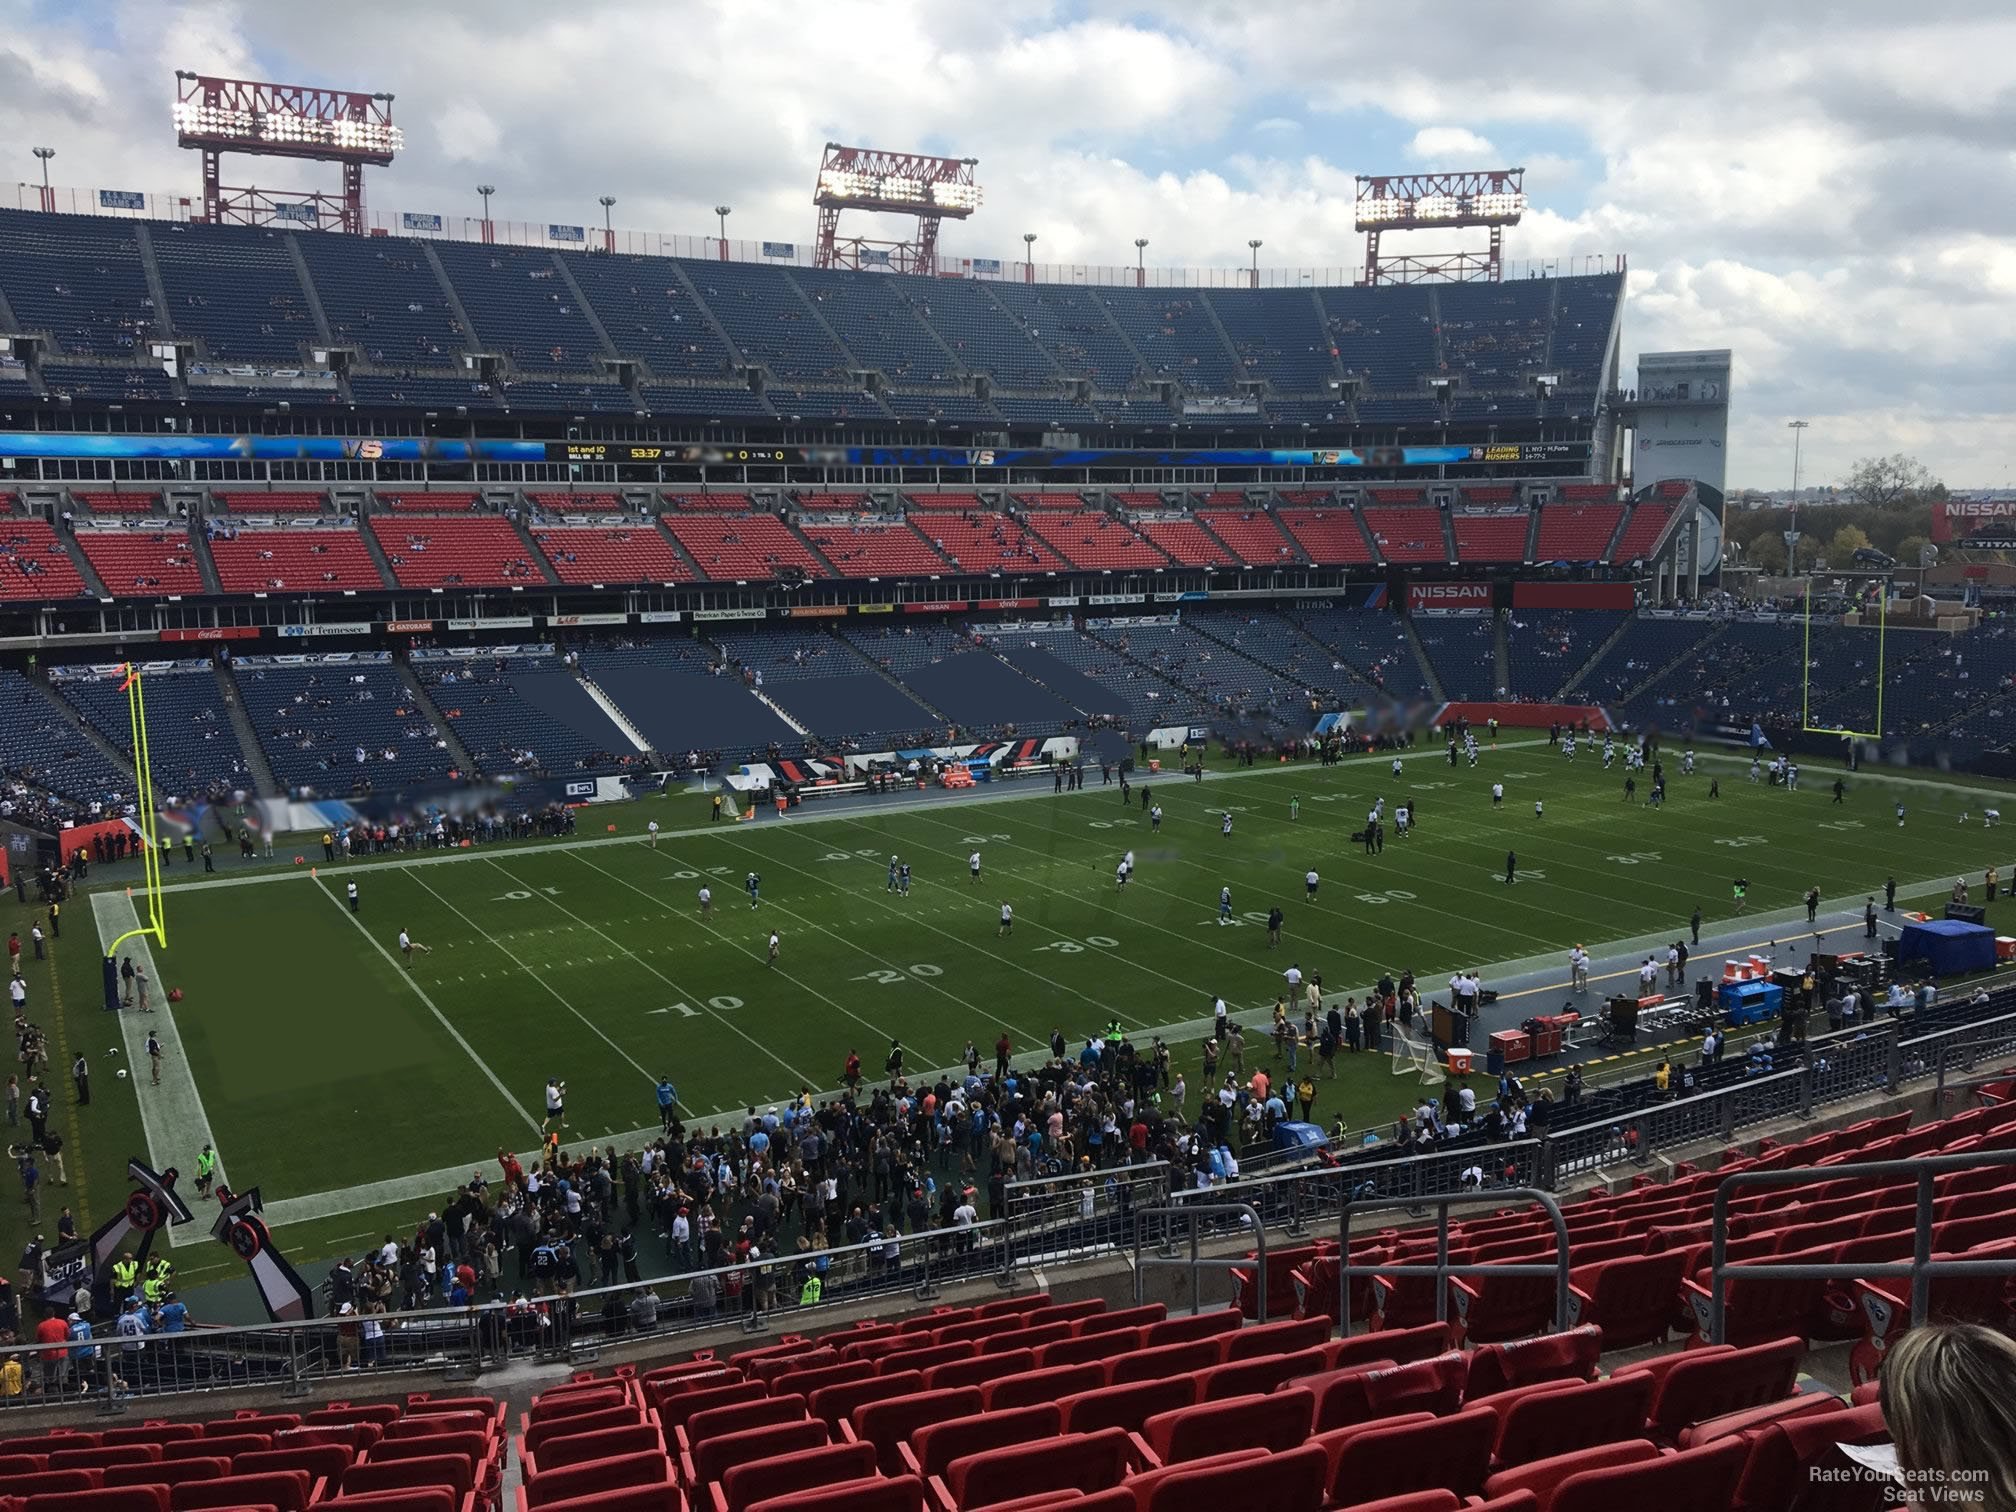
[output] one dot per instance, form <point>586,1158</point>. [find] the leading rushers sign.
<point>1448,598</point>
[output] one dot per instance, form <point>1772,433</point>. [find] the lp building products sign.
<point>1448,598</point>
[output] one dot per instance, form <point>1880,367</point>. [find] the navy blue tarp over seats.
<point>1950,947</point>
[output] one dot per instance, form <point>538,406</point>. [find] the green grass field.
<point>336,1079</point>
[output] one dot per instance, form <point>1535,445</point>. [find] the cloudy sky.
<point>1828,189</point>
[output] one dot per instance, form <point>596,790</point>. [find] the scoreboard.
<point>623,452</point>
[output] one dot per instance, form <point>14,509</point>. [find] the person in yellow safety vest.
<point>154,1290</point>
<point>125,1274</point>
<point>206,1169</point>
<point>810,1293</point>
<point>161,1268</point>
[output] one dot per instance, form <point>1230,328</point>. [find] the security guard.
<point>154,1290</point>
<point>125,1274</point>
<point>810,1293</point>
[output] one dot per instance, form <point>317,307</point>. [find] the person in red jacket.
<point>55,1362</point>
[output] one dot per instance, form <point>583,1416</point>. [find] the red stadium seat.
<point>1570,1356</point>
<point>1051,1385</point>
<point>1284,1337</point>
<point>623,1470</point>
<point>164,1472</point>
<point>321,1461</point>
<point>1289,1481</point>
<point>424,1470</point>
<point>1704,1384</point>
<point>1380,1459</point>
<point>805,1382</point>
<point>100,1455</point>
<point>888,1425</point>
<point>1168,1360</point>
<point>1079,1462</point>
<point>1246,1377</point>
<point>901,1493</point>
<point>1351,1396</point>
<point>836,1404</point>
<point>978,1370</point>
<point>1559,1417</point>
<point>663,1497</point>
<point>756,1480</point>
<point>1277,1422</point>
<point>707,1462</point>
<point>1121,1319</point>
<point>736,1417</point>
<point>1684,1482</point>
<point>104,1499</point>
<point>288,1490</point>
<point>1127,1406</point>
<point>934,1446</point>
<point>1630,1299</point>
<point>579,1448</point>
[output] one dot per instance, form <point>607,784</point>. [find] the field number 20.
<point>889,976</point>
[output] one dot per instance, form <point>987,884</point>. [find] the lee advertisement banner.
<point>1448,598</point>
<point>568,621</point>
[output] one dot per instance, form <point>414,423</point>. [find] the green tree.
<point>1844,543</point>
<point>1908,548</point>
<point>1880,482</point>
<point>1766,552</point>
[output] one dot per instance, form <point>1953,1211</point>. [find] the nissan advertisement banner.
<point>1448,598</point>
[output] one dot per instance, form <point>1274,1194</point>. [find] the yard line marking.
<point>504,950</point>
<point>421,993</point>
<point>172,1116</point>
<point>719,1018</point>
<point>483,850</point>
<point>751,953</point>
<point>822,929</point>
<point>1081,995</point>
<point>432,1186</point>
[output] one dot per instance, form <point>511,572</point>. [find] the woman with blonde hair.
<point>1949,1397</point>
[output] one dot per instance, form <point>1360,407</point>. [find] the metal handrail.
<point>1442,1270</point>
<point>1921,1267</point>
<point>1195,1264</point>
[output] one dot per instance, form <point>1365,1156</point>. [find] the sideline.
<point>1760,931</point>
<point>172,1116</point>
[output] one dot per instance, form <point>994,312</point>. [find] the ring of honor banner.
<point>72,444</point>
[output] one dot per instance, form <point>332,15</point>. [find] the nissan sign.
<point>1448,598</point>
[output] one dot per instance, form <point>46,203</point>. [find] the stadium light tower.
<point>1140,262</point>
<point>894,183</point>
<point>1255,244</point>
<point>48,194</point>
<point>1494,198</point>
<point>347,126</point>
<point>489,226</point>
<point>721,213</point>
<point>1029,257</point>
<point>608,230</point>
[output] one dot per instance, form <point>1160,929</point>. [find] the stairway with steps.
<point>248,737</point>
<point>1428,676</point>
<point>465,760</point>
<point>610,707</point>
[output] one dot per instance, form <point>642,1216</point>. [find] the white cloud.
<point>1451,147</point>
<point>1837,204</point>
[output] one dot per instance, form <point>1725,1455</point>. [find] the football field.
<point>354,1088</point>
